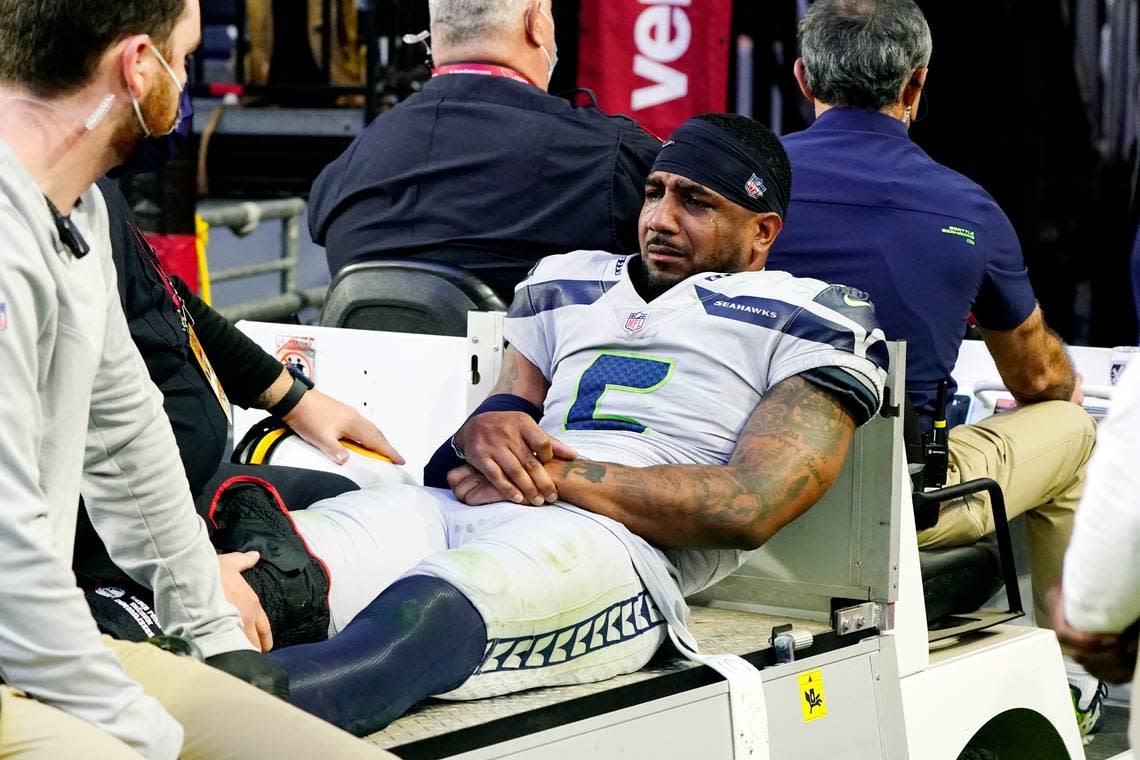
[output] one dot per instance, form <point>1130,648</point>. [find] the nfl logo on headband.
<point>755,187</point>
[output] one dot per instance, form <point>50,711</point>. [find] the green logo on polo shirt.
<point>961,232</point>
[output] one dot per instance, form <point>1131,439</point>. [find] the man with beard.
<point>701,404</point>
<point>81,83</point>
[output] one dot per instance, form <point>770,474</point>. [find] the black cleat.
<point>290,582</point>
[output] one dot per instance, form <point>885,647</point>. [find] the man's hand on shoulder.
<point>508,449</point>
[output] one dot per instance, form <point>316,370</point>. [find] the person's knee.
<point>1083,427</point>
<point>1077,429</point>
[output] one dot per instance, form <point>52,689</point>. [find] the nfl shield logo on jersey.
<point>3,316</point>
<point>635,321</point>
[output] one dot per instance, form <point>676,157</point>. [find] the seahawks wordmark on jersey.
<point>675,379</point>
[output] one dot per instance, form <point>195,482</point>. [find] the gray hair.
<point>458,22</point>
<point>860,53</point>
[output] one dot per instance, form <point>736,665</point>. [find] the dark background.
<point>1002,106</point>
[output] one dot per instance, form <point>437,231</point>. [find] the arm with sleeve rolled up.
<point>49,645</point>
<point>1033,362</point>
<point>140,504</point>
<point>788,455</point>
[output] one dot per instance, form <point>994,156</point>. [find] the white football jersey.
<point>674,381</point>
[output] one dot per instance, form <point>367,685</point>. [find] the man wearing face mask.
<point>81,83</point>
<point>484,169</point>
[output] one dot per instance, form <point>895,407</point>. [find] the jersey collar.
<point>859,120</point>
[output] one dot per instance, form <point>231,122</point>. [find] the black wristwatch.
<point>292,397</point>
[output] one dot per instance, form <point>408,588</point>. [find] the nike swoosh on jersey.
<point>855,304</point>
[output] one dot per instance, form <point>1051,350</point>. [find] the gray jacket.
<point>78,412</point>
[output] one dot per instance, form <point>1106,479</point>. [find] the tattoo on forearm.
<point>508,375</point>
<point>787,455</point>
<point>595,472</point>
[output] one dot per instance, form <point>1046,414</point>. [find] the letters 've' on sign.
<point>659,61</point>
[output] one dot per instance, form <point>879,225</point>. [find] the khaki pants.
<point>223,718</point>
<point>1037,454</point>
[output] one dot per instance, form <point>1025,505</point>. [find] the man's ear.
<point>912,91</point>
<point>801,80</point>
<point>131,62</point>
<point>532,19</point>
<point>768,226</point>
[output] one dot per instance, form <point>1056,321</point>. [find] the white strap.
<point>746,702</point>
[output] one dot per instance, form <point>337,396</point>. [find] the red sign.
<point>178,255</point>
<point>658,61</point>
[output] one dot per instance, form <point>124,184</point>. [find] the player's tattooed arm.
<point>788,455</point>
<point>519,377</point>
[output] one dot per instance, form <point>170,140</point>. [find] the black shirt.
<point>489,172</point>
<point>245,370</point>
<point>200,426</point>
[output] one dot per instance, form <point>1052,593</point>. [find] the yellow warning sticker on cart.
<point>811,695</point>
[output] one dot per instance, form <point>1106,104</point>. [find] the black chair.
<point>410,296</point>
<point>959,580</point>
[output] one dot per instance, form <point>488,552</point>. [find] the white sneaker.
<point>1088,693</point>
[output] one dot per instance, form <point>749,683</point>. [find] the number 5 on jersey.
<point>615,371</point>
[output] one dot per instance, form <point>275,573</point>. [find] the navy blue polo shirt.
<point>491,170</point>
<point>871,210</point>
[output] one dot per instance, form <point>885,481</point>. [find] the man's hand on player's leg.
<point>509,449</point>
<point>254,621</point>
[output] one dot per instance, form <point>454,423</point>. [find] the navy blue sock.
<point>420,637</point>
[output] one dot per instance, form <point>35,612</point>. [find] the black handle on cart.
<point>926,506</point>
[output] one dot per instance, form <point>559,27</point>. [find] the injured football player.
<point>657,418</point>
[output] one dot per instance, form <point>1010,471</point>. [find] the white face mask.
<point>135,102</point>
<point>550,59</point>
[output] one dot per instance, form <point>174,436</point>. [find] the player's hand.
<point>510,449</point>
<point>472,487</point>
<point>1109,657</point>
<point>238,593</point>
<point>323,421</point>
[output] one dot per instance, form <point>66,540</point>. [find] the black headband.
<point>711,157</point>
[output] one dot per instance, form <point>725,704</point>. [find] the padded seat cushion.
<point>960,579</point>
